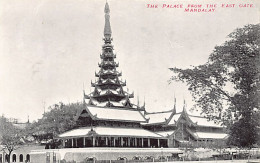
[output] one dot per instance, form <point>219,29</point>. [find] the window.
<point>21,158</point>
<point>14,157</point>
<point>28,158</point>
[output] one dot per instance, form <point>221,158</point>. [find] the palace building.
<point>185,130</point>
<point>110,119</point>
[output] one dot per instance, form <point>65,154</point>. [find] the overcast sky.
<point>49,48</point>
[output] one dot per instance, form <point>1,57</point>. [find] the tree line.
<point>227,86</point>
<point>58,119</point>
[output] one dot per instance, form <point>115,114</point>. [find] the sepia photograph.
<point>109,81</point>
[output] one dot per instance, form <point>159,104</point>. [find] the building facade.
<point>185,130</point>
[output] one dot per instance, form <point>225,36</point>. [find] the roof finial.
<point>174,108</point>
<point>138,100</point>
<point>107,29</point>
<point>107,8</point>
<point>28,119</point>
<point>184,105</point>
<point>144,101</point>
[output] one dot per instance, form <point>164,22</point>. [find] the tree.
<point>10,137</point>
<point>59,119</point>
<point>226,88</point>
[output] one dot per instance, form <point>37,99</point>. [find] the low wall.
<point>80,154</point>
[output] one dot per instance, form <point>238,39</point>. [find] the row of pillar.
<point>136,142</point>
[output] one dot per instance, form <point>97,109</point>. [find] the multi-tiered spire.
<point>108,88</point>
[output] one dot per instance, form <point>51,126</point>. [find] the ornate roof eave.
<point>94,117</point>
<point>127,103</point>
<point>108,63</point>
<point>79,112</point>
<point>102,73</point>
<point>196,123</point>
<point>123,84</point>
<point>146,119</point>
<point>168,111</point>
<point>86,96</point>
<point>107,95</point>
<point>174,125</point>
<point>192,134</point>
<point>186,116</point>
<point>120,120</point>
<point>108,83</point>
<point>102,56</point>
<point>107,45</point>
<point>156,124</point>
<point>171,116</point>
<point>108,39</point>
<point>142,109</point>
<point>209,126</point>
<point>170,135</point>
<point>129,95</point>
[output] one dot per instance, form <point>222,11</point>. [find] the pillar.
<point>158,143</point>
<point>93,141</point>
<point>76,142</point>
<point>128,142</point>
<point>84,142</point>
<point>72,143</point>
<point>97,144</point>
<point>169,141</point>
<point>148,142</point>
<point>114,142</point>
<point>106,141</point>
<point>135,142</point>
<point>174,142</point>
<point>142,142</point>
<point>63,142</point>
<point>122,142</point>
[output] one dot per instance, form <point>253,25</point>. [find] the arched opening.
<point>21,158</point>
<point>14,157</point>
<point>6,158</point>
<point>28,158</point>
<point>54,157</point>
<point>48,158</point>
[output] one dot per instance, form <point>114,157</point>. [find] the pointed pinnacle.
<point>106,10</point>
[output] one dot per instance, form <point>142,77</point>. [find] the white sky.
<point>49,48</point>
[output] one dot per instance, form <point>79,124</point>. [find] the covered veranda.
<point>112,137</point>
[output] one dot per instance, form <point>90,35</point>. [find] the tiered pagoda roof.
<point>108,88</point>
